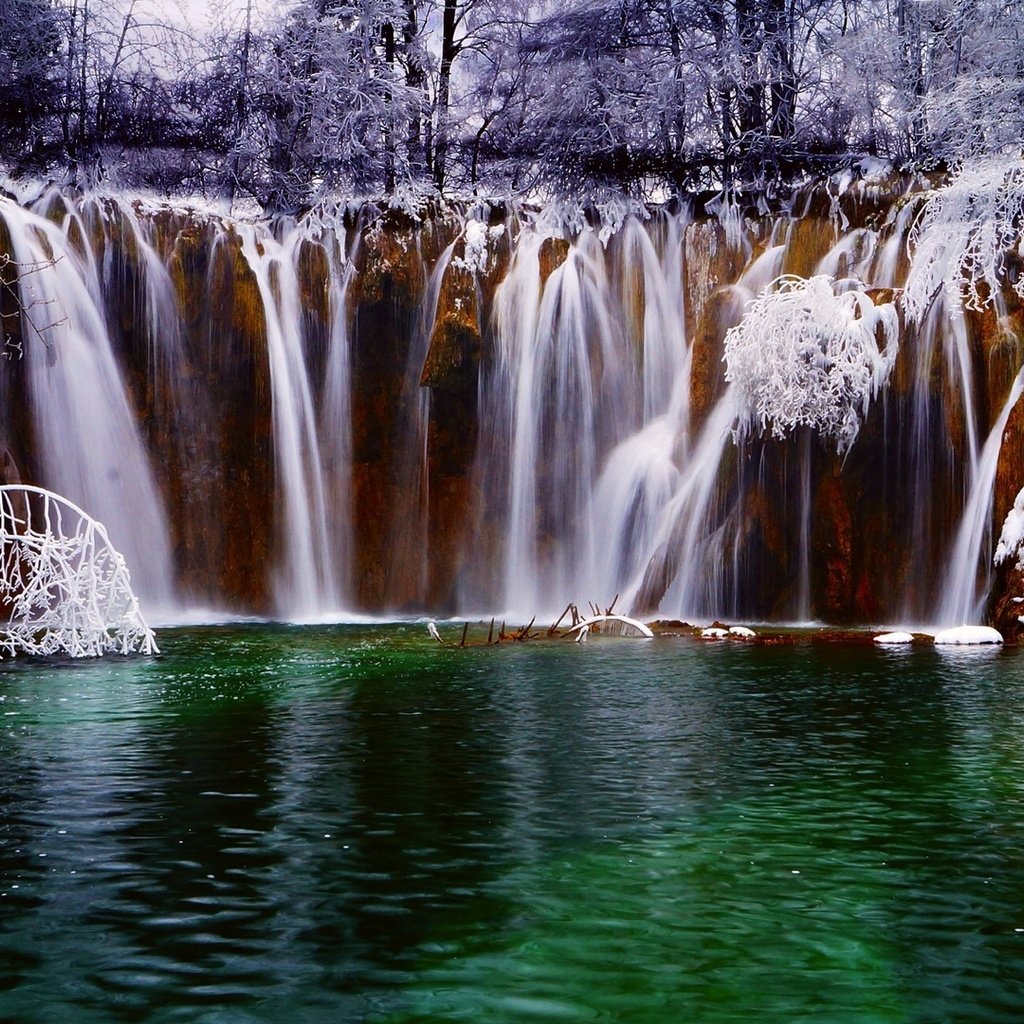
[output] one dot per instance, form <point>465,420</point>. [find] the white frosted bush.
<point>962,234</point>
<point>64,588</point>
<point>476,241</point>
<point>807,355</point>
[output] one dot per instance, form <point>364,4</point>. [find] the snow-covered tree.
<point>963,234</point>
<point>808,354</point>
<point>64,588</point>
<point>30,72</point>
<point>293,100</point>
<point>333,105</point>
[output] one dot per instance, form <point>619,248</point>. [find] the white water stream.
<point>590,472</point>
<point>87,438</point>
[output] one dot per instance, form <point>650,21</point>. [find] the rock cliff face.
<point>538,420</point>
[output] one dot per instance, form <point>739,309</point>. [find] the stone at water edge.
<point>714,633</point>
<point>969,635</point>
<point>896,637</point>
<point>741,631</point>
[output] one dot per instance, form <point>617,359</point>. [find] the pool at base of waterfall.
<point>358,824</point>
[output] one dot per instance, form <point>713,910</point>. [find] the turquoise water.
<point>354,824</point>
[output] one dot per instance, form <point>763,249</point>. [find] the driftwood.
<point>578,631</point>
<point>588,623</point>
<point>553,629</point>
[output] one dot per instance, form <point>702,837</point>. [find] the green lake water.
<point>353,824</point>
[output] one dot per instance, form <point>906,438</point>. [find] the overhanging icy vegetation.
<point>64,588</point>
<point>807,354</point>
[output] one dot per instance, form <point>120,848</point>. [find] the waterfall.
<point>967,576</point>
<point>409,542</point>
<point>306,582</point>
<point>687,560</point>
<point>335,424</point>
<point>87,439</point>
<point>571,383</point>
<point>244,406</point>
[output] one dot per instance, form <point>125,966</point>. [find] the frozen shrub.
<point>64,589</point>
<point>962,235</point>
<point>806,355</point>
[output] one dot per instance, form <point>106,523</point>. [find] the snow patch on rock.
<point>1011,539</point>
<point>896,637</point>
<point>969,635</point>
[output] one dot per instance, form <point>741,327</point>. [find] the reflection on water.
<point>354,824</point>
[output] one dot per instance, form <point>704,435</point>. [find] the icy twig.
<point>63,587</point>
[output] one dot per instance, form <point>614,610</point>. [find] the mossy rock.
<point>723,310</point>
<point>810,239</point>
<point>390,265</point>
<point>711,263</point>
<point>455,342</point>
<point>553,253</point>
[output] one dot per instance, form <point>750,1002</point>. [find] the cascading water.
<point>570,383</point>
<point>963,597</point>
<point>409,540</point>
<point>607,454</point>
<point>87,442</point>
<point>335,424</point>
<point>306,584</point>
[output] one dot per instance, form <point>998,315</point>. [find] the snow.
<point>741,631</point>
<point>969,635</point>
<point>714,633</point>
<point>584,626</point>
<point>873,169</point>
<point>896,637</point>
<point>1011,539</point>
<point>807,355</point>
<point>962,235</point>
<point>474,257</point>
<point>68,589</point>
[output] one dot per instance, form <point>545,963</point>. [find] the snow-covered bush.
<point>64,588</point>
<point>476,240</point>
<point>960,239</point>
<point>808,355</point>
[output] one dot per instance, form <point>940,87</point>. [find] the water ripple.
<point>353,825</point>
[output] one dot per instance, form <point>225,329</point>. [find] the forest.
<point>284,105</point>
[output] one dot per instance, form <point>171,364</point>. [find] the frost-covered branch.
<point>25,307</point>
<point>64,589</point>
<point>806,355</point>
<point>963,234</point>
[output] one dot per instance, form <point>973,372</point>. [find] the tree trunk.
<point>449,51</point>
<point>241,103</point>
<point>416,79</point>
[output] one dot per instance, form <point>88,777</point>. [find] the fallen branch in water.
<point>580,627</point>
<point>588,624</point>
